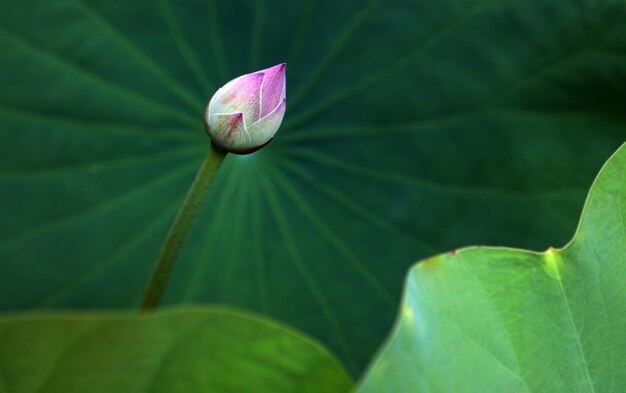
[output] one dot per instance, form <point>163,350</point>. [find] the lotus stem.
<point>180,229</point>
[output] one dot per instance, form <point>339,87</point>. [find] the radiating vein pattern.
<point>304,271</point>
<point>412,128</point>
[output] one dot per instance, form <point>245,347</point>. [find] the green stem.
<point>180,228</point>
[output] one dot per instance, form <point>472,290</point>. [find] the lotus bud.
<point>244,114</point>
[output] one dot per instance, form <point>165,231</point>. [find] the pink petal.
<point>228,131</point>
<point>265,129</point>
<point>242,94</point>
<point>274,88</point>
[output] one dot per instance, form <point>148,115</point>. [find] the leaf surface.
<point>505,320</point>
<point>412,127</point>
<point>177,350</point>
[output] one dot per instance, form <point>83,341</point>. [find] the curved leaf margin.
<point>509,320</point>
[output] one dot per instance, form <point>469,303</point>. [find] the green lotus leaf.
<point>486,319</point>
<point>412,127</point>
<point>177,350</point>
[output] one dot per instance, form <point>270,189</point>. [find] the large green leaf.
<point>504,320</point>
<point>178,350</point>
<point>412,127</point>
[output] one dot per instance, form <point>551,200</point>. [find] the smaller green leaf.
<point>186,350</point>
<point>504,320</point>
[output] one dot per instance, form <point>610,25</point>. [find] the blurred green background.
<point>412,128</point>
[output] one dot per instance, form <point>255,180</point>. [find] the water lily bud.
<point>244,114</point>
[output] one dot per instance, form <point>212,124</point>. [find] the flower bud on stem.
<point>241,117</point>
<point>180,228</point>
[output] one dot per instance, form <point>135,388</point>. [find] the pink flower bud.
<point>244,114</point>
